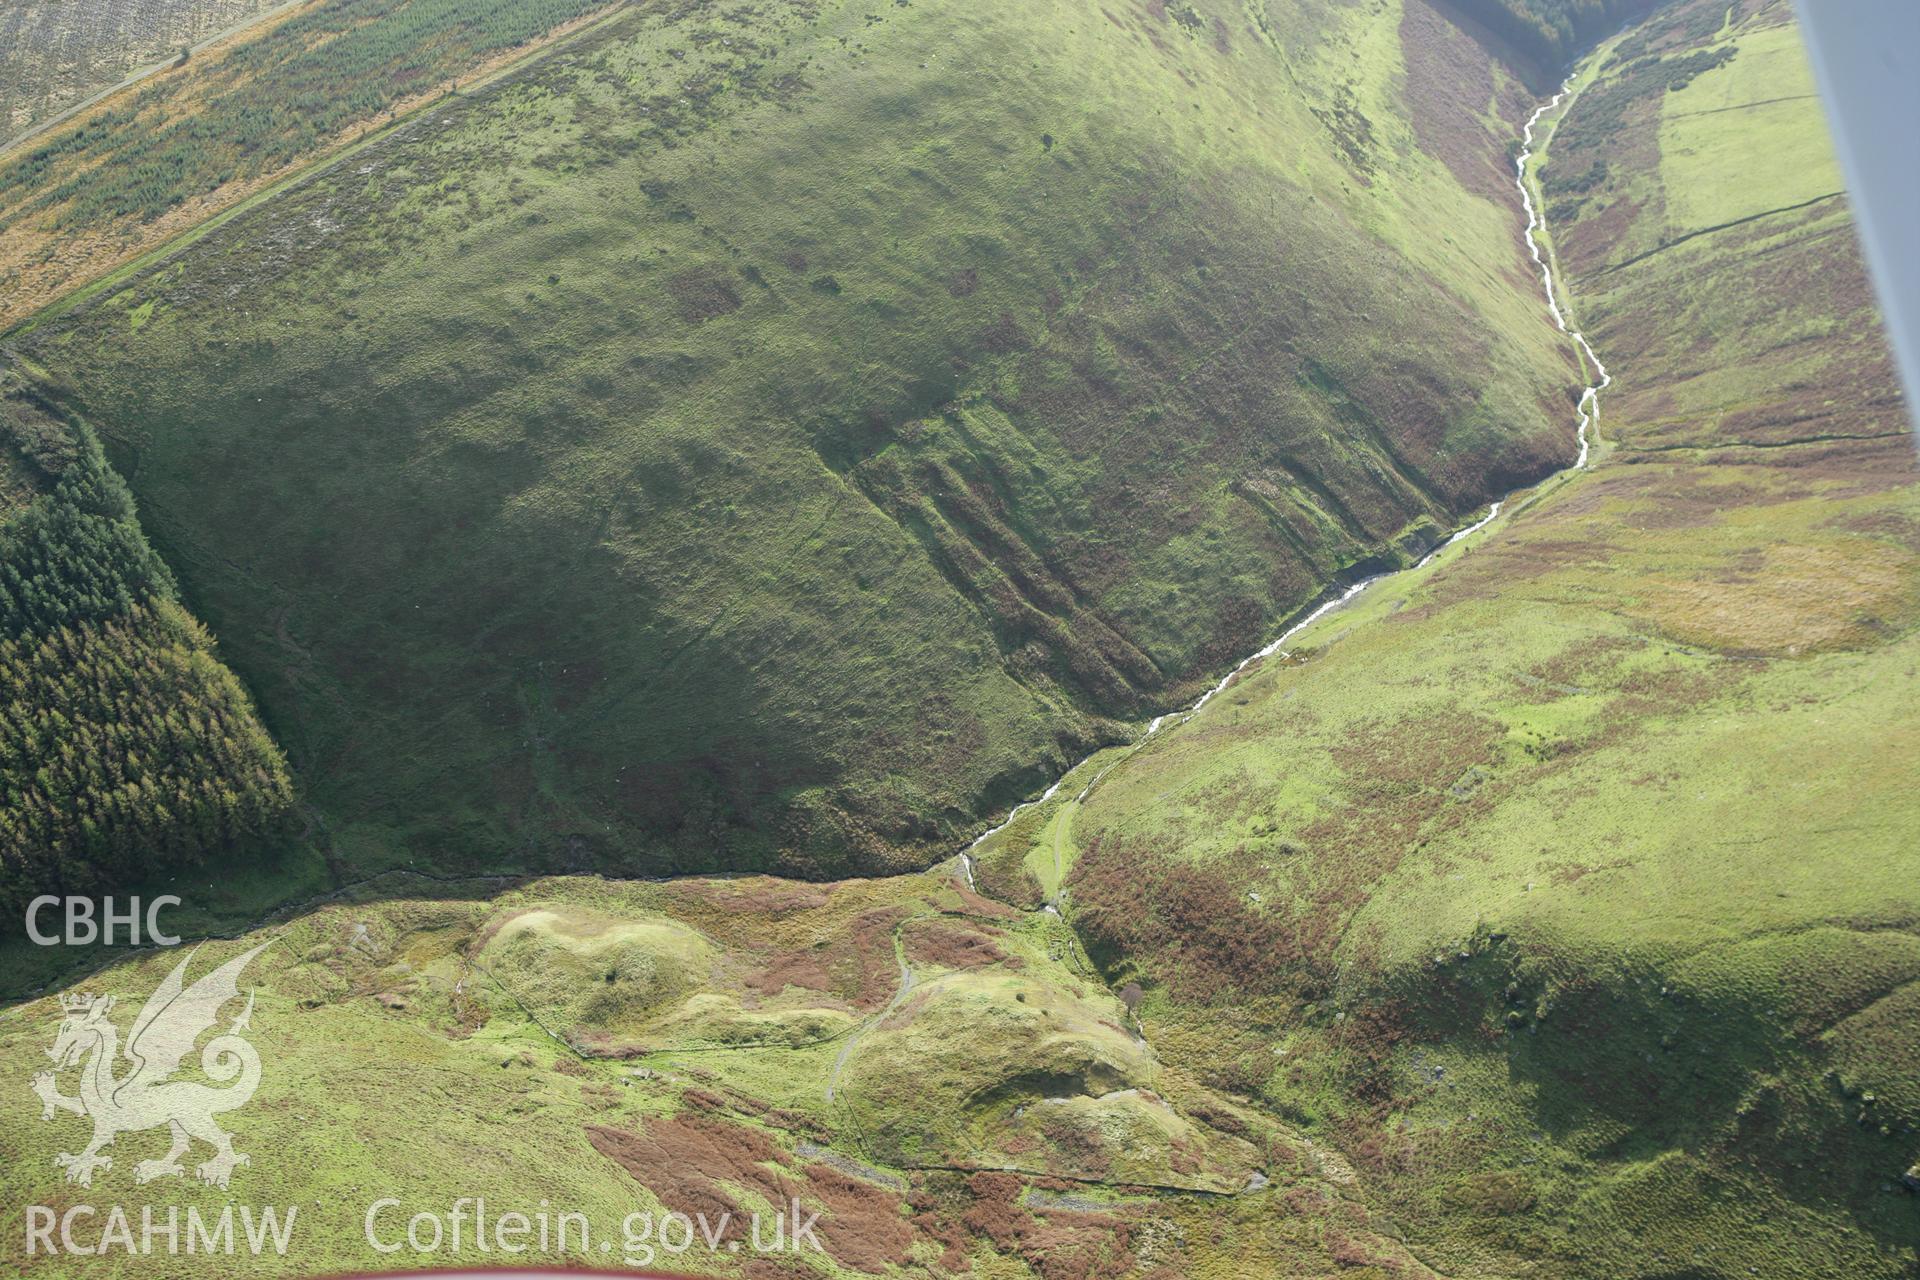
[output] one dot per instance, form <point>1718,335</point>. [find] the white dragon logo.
<point>143,1098</point>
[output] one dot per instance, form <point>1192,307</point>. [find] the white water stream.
<point>1537,222</point>
<point>1589,416</point>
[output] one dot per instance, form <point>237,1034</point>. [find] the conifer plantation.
<point>126,749</point>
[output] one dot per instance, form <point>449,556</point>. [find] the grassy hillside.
<point>782,436</point>
<point>1567,886</point>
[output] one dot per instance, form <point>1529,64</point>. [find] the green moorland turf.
<point>782,434</point>
<point>1569,886</point>
<point>944,1079</point>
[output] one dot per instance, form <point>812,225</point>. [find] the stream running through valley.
<point>1588,418</point>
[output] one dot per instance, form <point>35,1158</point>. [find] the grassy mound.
<point>1049,1081</point>
<point>1550,911</point>
<point>591,544</point>
<point>594,978</point>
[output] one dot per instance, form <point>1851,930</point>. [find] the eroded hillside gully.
<point>1588,414</point>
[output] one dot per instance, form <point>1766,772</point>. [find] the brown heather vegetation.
<point>954,946</point>
<point>1060,1245</point>
<point>686,1159</point>
<point>690,1161</point>
<point>1208,944</point>
<point>1575,827</point>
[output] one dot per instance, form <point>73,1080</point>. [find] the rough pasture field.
<point>781,436</point>
<point>1577,870</point>
<point>1654,188</point>
<point>55,54</point>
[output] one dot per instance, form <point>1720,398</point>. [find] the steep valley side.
<point>521,465</point>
